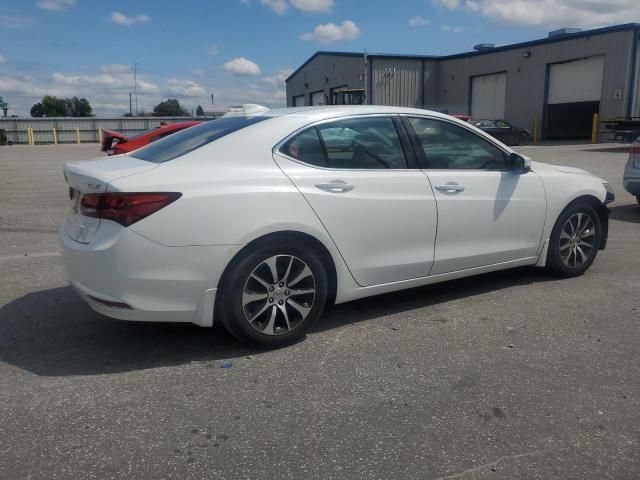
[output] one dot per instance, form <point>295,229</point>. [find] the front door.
<point>380,213</point>
<point>487,213</point>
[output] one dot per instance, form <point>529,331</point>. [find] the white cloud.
<point>550,13</point>
<point>278,6</point>
<point>419,22</point>
<point>185,88</point>
<point>330,32</point>
<point>277,79</point>
<point>449,28</point>
<point>116,68</point>
<point>15,23</point>
<point>242,67</point>
<point>55,4</point>
<point>313,6</point>
<point>3,59</point>
<point>121,19</point>
<point>104,80</point>
<point>450,4</point>
<point>213,50</point>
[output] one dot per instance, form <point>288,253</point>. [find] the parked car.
<point>503,131</point>
<point>260,219</point>
<point>115,143</point>
<point>631,179</point>
<point>459,116</point>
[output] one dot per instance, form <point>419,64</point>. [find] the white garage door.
<point>488,94</point>
<point>298,101</point>
<point>576,81</point>
<point>317,98</point>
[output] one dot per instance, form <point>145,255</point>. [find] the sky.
<point>241,51</point>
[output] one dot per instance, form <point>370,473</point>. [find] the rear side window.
<point>370,143</point>
<point>189,139</point>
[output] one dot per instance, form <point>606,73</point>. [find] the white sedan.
<point>262,217</point>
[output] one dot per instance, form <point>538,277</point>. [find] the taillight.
<point>634,153</point>
<point>125,208</point>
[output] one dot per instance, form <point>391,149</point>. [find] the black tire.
<point>231,311</point>
<point>638,198</point>
<point>555,264</point>
<point>522,138</point>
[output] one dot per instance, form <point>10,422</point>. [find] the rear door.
<point>374,201</point>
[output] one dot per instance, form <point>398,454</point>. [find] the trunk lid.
<point>108,136</point>
<point>93,177</point>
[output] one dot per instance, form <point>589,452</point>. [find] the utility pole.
<point>135,83</point>
<point>130,108</point>
<point>212,102</point>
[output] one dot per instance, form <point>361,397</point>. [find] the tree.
<point>54,106</point>
<point>199,111</point>
<point>78,107</point>
<point>51,106</point>
<point>169,108</point>
<point>37,110</point>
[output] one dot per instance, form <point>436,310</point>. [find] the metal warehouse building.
<point>557,83</point>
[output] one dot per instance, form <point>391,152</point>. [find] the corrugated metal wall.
<point>396,82</point>
<point>526,75</point>
<point>16,128</point>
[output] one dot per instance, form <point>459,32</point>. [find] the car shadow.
<point>54,333</point>
<point>626,213</point>
<point>611,149</point>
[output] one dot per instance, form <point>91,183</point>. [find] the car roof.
<point>320,112</point>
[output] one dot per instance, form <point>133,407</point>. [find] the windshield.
<point>187,140</point>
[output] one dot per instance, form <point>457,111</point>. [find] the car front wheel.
<point>574,241</point>
<point>522,138</point>
<point>273,295</point>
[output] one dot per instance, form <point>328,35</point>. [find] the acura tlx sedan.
<point>261,218</point>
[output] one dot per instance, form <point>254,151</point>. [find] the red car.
<point>115,143</point>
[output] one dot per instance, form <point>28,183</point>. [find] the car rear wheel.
<point>574,241</point>
<point>638,198</point>
<point>522,138</point>
<point>273,295</point>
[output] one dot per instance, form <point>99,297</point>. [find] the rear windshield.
<point>189,139</point>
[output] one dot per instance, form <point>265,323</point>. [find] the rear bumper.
<point>129,277</point>
<point>632,185</point>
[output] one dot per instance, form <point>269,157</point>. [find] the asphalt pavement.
<point>510,375</point>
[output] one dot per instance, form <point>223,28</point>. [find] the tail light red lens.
<point>125,208</point>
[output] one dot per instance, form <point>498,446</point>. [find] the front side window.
<point>449,146</point>
<point>187,140</point>
<point>357,143</point>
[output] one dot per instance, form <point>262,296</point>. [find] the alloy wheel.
<point>577,240</point>
<point>279,294</point>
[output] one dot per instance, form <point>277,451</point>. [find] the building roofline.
<point>513,46</point>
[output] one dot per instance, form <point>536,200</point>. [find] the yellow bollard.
<point>99,135</point>
<point>77,135</point>
<point>55,136</point>
<point>594,128</point>
<point>30,139</point>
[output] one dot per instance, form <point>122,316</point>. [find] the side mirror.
<point>519,162</point>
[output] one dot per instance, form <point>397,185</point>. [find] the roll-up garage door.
<point>488,94</point>
<point>298,101</point>
<point>317,98</point>
<point>574,93</point>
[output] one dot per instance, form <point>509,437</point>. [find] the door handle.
<point>450,188</point>
<point>336,186</point>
